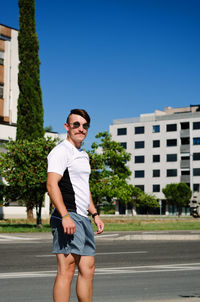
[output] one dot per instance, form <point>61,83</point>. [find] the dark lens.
<point>86,126</point>
<point>76,125</point>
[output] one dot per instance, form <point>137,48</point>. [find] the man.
<point>68,188</point>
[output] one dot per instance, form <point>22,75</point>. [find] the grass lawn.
<point>115,223</point>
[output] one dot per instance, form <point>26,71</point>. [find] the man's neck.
<point>75,144</point>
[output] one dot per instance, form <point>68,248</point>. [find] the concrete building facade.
<point>9,90</point>
<point>164,147</point>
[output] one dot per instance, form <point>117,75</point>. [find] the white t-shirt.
<point>73,164</point>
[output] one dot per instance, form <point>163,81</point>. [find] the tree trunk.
<point>30,214</point>
<point>179,211</point>
<point>39,214</point>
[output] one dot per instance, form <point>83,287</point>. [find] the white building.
<point>164,147</point>
<point>9,92</point>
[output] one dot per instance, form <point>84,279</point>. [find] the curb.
<point>150,236</point>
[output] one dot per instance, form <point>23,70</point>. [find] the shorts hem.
<point>73,252</point>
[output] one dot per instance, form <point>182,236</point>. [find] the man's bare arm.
<point>97,220</point>
<point>56,197</point>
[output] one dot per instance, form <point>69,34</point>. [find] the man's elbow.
<point>49,186</point>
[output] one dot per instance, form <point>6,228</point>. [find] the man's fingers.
<point>100,228</point>
<point>70,230</point>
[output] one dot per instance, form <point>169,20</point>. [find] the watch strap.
<point>95,214</point>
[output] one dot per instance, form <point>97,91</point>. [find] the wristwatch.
<point>95,214</point>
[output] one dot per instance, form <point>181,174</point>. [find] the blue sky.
<point>114,58</point>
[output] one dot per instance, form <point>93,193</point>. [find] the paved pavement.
<point>126,271</point>
<point>112,236</point>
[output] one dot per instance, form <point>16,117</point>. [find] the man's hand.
<point>99,223</point>
<point>68,225</point>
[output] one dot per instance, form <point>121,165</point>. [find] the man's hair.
<point>80,112</point>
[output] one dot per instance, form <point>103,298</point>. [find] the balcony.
<point>185,133</point>
<point>185,178</point>
<point>185,163</point>
<point>185,148</point>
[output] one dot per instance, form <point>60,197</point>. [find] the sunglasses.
<point>77,125</point>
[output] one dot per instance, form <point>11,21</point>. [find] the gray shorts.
<point>80,243</point>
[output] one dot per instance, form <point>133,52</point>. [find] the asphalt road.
<point>126,270</point>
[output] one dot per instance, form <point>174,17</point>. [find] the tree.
<point>48,128</point>
<point>177,194</point>
<point>138,198</point>
<point>24,167</point>
<point>110,174</point>
<point>147,202</point>
<point>109,170</point>
<point>30,109</point>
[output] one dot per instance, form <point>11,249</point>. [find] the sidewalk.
<point>151,235</point>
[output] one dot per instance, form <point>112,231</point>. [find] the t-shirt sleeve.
<point>57,161</point>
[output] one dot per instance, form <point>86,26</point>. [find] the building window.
<point>171,142</point>
<point>185,172</point>
<point>171,157</point>
<point>139,145</point>
<point>196,141</point>
<point>171,172</point>
<point>196,156</point>
<point>1,57</point>
<point>156,144</point>
<point>196,125</point>
<point>185,125</point>
<point>171,127</point>
<point>196,187</point>
<point>156,173</point>
<point>139,159</point>
<point>139,130</point>
<point>141,187</point>
<point>156,188</point>
<point>196,172</point>
<point>156,128</point>
<point>139,173</point>
<point>121,131</point>
<point>124,145</point>
<point>185,140</point>
<point>156,158</point>
<point>1,90</point>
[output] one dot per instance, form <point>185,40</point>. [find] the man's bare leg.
<point>62,285</point>
<point>84,285</point>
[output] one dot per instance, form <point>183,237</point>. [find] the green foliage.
<point>108,169</point>
<point>142,199</point>
<point>109,174</point>
<point>48,128</point>
<point>177,194</point>
<point>30,109</point>
<point>24,167</point>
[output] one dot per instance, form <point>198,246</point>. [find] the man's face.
<point>76,135</point>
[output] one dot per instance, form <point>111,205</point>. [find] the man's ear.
<point>66,126</point>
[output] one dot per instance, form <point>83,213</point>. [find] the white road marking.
<point>11,238</point>
<point>107,235</point>
<point>118,253</point>
<point>110,271</point>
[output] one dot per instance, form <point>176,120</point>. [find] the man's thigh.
<point>66,263</point>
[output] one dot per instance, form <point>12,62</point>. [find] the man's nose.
<point>81,128</point>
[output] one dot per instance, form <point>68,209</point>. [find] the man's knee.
<point>87,267</point>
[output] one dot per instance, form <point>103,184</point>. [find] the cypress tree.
<point>30,108</point>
